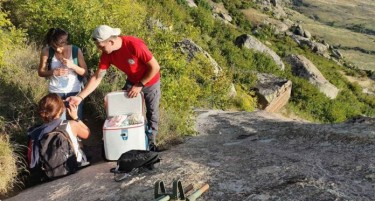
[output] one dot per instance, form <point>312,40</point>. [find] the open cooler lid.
<point>118,103</point>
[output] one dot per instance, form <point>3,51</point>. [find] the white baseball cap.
<point>103,32</point>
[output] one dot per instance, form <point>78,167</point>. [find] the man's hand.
<point>75,100</point>
<point>134,91</point>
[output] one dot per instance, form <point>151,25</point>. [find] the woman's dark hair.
<point>50,106</point>
<point>53,36</point>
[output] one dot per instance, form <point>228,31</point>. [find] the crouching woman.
<point>50,109</point>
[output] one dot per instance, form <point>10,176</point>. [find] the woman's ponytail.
<point>53,36</point>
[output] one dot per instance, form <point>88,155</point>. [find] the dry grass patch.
<point>366,83</point>
<point>257,18</point>
<point>342,13</point>
<point>8,166</point>
<point>254,16</point>
<point>20,70</point>
<point>343,38</point>
<point>335,36</point>
<point>20,89</point>
<point>169,134</point>
<point>363,61</point>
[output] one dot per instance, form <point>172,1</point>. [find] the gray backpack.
<point>57,155</point>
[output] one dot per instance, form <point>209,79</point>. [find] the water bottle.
<point>63,80</point>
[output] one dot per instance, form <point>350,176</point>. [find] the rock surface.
<point>272,92</point>
<point>243,156</point>
<point>250,42</point>
<point>303,67</point>
<point>191,3</point>
<point>190,48</point>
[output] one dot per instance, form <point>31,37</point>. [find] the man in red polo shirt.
<point>130,55</point>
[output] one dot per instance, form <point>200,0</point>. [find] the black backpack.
<point>135,160</point>
<point>57,154</point>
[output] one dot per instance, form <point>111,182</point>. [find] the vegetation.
<point>351,44</point>
<point>11,92</point>
<point>8,166</point>
<point>335,14</point>
<point>187,83</point>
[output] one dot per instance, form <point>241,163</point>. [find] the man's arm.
<point>92,84</point>
<point>153,69</point>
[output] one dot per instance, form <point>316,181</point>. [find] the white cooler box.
<point>119,139</point>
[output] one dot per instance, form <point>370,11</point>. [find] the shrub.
<point>203,20</point>
<point>15,103</point>
<point>203,4</point>
<point>78,17</point>
<point>244,101</point>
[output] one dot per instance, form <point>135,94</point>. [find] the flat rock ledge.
<point>243,156</point>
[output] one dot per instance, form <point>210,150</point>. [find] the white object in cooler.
<point>118,140</point>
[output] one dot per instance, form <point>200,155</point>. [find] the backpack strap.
<point>51,53</point>
<point>63,127</point>
<point>75,54</point>
<point>75,59</point>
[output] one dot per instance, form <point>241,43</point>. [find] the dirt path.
<point>243,156</point>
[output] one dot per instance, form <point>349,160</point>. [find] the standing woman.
<point>64,74</point>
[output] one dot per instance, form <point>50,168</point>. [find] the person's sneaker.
<point>153,147</point>
<point>83,164</point>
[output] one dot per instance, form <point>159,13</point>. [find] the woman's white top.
<point>63,84</point>
<point>75,142</point>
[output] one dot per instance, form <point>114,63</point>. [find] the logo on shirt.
<point>131,61</point>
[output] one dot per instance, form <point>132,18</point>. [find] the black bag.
<point>57,155</point>
<point>134,160</point>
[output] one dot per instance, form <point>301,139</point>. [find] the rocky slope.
<point>244,156</point>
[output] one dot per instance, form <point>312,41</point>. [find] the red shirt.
<point>131,58</point>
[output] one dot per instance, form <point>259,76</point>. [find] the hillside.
<point>243,156</point>
<point>220,55</point>
<point>348,24</point>
<point>356,15</point>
